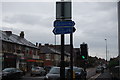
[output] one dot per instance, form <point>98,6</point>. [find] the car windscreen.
<point>75,69</point>
<point>55,71</point>
<point>79,70</point>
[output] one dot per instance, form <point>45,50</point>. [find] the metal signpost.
<point>64,25</point>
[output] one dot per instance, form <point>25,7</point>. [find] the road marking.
<point>94,77</point>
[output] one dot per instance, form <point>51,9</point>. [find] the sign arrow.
<point>63,30</point>
<point>69,23</point>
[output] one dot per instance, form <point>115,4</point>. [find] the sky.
<point>95,21</point>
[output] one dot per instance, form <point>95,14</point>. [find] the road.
<point>90,72</point>
<point>32,78</point>
<point>104,76</point>
<point>28,77</point>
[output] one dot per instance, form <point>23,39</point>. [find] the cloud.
<point>60,0</point>
<point>95,21</point>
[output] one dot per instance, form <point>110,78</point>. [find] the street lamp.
<point>106,49</point>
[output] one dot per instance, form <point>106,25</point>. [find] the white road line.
<point>94,77</point>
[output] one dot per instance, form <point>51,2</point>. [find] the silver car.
<point>38,71</point>
<point>54,73</point>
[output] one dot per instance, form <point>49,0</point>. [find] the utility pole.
<point>119,31</point>
<point>106,49</point>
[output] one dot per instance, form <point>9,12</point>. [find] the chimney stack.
<point>46,44</point>
<point>39,44</point>
<point>8,33</point>
<point>22,34</point>
<point>36,44</point>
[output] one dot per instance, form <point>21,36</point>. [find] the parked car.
<point>54,73</point>
<point>104,66</point>
<point>11,73</point>
<point>116,73</point>
<point>47,68</point>
<point>0,75</point>
<point>79,73</point>
<point>38,71</point>
<point>99,69</point>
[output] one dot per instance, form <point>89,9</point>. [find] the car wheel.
<point>31,74</point>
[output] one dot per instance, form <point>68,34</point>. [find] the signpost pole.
<point>62,66</point>
<point>64,25</point>
<point>71,55</point>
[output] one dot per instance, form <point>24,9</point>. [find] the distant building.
<point>18,52</point>
<point>51,55</point>
<point>76,58</point>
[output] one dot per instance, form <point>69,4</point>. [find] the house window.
<point>48,57</point>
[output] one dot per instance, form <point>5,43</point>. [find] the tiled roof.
<point>15,39</point>
<point>47,49</point>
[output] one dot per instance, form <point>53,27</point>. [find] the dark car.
<point>99,69</point>
<point>11,73</point>
<point>79,73</point>
<point>0,75</point>
<point>54,73</point>
<point>47,68</point>
<point>38,71</point>
<point>115,72</point>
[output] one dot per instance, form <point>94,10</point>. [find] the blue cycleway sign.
<point>63,30</point>
<point>69,23</point>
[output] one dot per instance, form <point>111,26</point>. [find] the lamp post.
<point>106,49</point>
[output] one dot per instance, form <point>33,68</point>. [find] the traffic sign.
<point>63,30</point>
<point>69,23</point>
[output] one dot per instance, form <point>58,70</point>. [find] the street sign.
<point>63,30</point>
<point>63,10</point>
<point>69,23</point>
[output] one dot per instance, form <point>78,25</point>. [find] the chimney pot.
<point>36,44</point>
<point>22,34</point>
<point>39,44</point>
